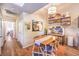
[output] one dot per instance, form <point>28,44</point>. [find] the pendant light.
<point>52,9</point>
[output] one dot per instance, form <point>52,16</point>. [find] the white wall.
<point>26,36</point>
<point>1,32</point>
<point>73,29</point>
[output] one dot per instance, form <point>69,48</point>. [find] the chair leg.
<point>42,51</point>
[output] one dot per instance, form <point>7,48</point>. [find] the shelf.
<point>62,21</point>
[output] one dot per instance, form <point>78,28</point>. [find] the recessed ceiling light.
<point>19,4</point>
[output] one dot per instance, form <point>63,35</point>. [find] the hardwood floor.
<point>13,48</point>
<point>70,51</point>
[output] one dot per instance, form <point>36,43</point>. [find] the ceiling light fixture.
<point>52,10</point>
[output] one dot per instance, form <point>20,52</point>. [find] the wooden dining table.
<point>45,40</point>
<point>48,41</point>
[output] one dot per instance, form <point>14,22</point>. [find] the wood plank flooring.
<point>13,48</point>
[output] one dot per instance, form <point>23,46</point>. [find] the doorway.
<point>8,46</point>
<point>9,27</point>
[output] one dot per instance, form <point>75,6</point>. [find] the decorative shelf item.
<point>56,30</point>
<point>66,21</point>
<point>58,18</point>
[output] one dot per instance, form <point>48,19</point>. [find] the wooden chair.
<point>38,51</point>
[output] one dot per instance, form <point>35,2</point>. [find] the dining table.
<point>45,40</point>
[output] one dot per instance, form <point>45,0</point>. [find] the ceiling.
<point>27,7</point>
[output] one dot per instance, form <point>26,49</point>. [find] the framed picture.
<point>37,25</point>
<point>27,25</point>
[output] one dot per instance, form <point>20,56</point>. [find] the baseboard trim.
<point>26,45</point>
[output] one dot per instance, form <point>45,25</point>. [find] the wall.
<point>26,36</point>
<point>1,31</point>
<point>73,11</point>
<point>62,8</point>
<point>72,30</point>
